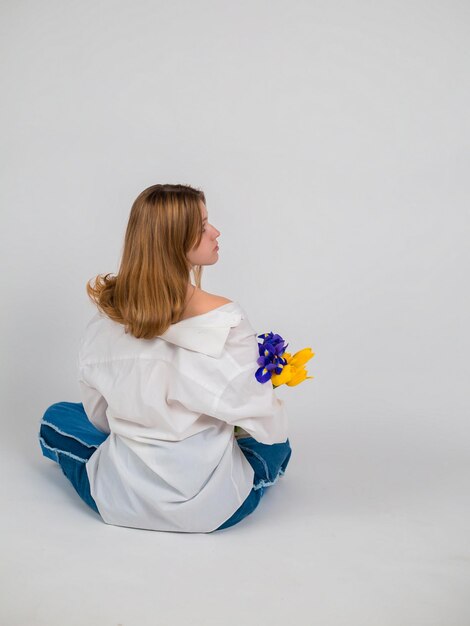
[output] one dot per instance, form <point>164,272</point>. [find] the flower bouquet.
<point>278,366</point>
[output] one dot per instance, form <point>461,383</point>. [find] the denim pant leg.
<point>76,473</point>
<point>67,436</point>
<point>269,461</point>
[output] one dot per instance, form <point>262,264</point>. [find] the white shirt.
<point>170,404</point>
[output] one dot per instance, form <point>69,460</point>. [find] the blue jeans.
<point>67,436</point>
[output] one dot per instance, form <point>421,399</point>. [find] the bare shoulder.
<point>203,302</point>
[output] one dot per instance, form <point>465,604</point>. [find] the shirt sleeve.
<point>95,406</point>
<point>254,406</point>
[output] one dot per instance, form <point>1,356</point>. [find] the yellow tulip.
<point>294,372</point>
<point>302,356</point>
<point>299,377</point>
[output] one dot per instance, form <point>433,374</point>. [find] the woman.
<point>166,371</point>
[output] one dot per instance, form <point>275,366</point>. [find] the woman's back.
<point>170,405</point>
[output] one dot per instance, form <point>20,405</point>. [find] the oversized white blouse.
<point>170,404</point>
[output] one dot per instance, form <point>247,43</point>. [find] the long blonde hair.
<point>149,292</point>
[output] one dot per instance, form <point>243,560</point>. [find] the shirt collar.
<point>205,333</point>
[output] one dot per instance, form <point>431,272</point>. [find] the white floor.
<point>348,537</point>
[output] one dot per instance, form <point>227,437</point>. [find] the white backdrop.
<point>331,141</point>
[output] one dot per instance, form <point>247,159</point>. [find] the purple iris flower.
<point>270,360</point>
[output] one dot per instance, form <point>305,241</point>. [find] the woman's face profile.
<point>207,251</point>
